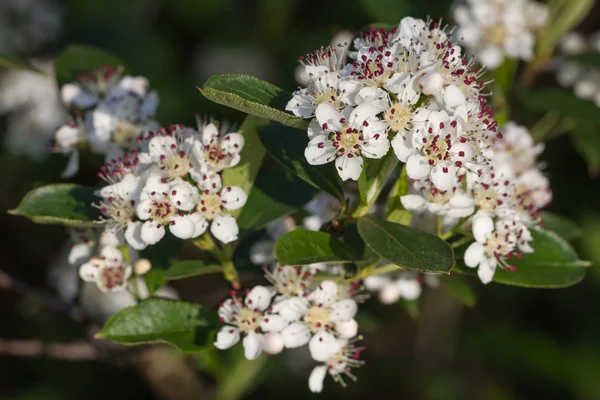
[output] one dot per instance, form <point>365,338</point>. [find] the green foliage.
<point>406,247</point>
<point>459,289</point>
<point>553,264</point>
<point>76,59</point>
<point>301,247</point>
<point>252,96</point>
<point>189,268</point>
<point>389,12</point>
<point>158,320</point>
<point>276,193</point>
<point>562,226</point>
<point>287,146</point>
<point>244,174</point>
<point>154,279</point>
<point>64,204</point>
<point>563,102</point>
<point>374,176</point>
<point>586,140</point>
<point>394,210</point>
<point>11,61</point>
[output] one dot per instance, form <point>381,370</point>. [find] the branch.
<point>76,351</point>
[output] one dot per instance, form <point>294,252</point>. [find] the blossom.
<point>516,152</point>
<point>169,204</point>
<point>346,137</point>
<point>493,30</point>
<point>109,271</point>
<point>91,87</point>
<point>216,147</point>
<point>67,140</point>
<point>392,287</point>
<point>495,243</point>
<point>249,320</point>
<point>315,313</point>
<point>453,202</point>
<point>343,357</point>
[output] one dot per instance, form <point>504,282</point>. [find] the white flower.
<point>321,62</point>
<point>453,202</point>
<point>215,148</point>
<point>319,312</point>
<point>248,320</point>
<point>346,137</point>
<point>493,30</point>
<point>572,43</point>
<point>392,287</point>
<point>343,357</point>
<point>109,271</point>
<point>327,88</point>
<point>164,203</point>
<point>493,193</point>
<point>496,243</point>
<point>517,152</point>
<point>213,204</point>
<point>66,141</point>
<point>91,87</point>
<point>290,281</point>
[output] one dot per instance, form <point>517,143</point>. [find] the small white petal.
<point>322,346</point>
<point>133,235</point>
<point>272,343</point>
<point>89,272</point>
<point>402,145</point>
<point>233,142</point>
<point>389,293</point>
<point>483,225</point>
<point>347,329</point>
<point>273,323</point>
<point>349,166</point>
<point>417,167</point>
<point>432,83</point>
<point>79,253</point>
<point>325,294</point>
<point>227,337</point>
<point>233,197</point>
<point>152,232</point>
<point>343,310</point>
<point>225,228</point>
<point>200,224</point>
<point>409,289</point>
<point>259,298</point>
<point>413,202</point>
<point>295,335</point>
<point>209,133</point>
<point>319,150</point>
<point>453,97</point>
<point>443,176</point>
<point>486,270</point>
<point>182,227</point>
<point>474,254</point>
<point>316,378</point>
<point>291,309</point>
<point>72,166</point>
<point>375,282</point>
<point>253,345</point>
<point>328,117</point>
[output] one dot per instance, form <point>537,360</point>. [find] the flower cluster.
<point>296,311</point>
<point>110,112</point>
<point>493,30</point>
<point>174,181</point>
<point>409,89</point>
<point>570,72</point>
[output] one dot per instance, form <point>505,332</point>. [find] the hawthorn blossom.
<point>109,271</point>
<point>67,140</point>
<point>493,30</point>
<point>90,87</point>
<point>212,205</point>
<point>342,357</point>
<point>454,203</point>
<point>249,320</point>
<point>516,152</point>
<point>347,136</point>
<point>392,287</point>
<point>495,244</point>
<point>316,313</point>
<point>216,147</point>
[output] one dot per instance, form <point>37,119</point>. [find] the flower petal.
<point>272,343</point>
<point>182,226</point>
<point>349,166</point>
<point>347,329</point>
<point>152,232</point>
<point>259,298</point>
<point>295,335</point>
<point>413,202</point>
<point>325,294</point>
<point>329,117</point>
<point>89,271</point>
<point>72,165</point>
<point>443,176</point>
<point>322,346</point>
<point>316,378</point>
<point>233,197</point>
<point>474,254</point>
<point>225,228</point>
<point>417,167</point>
<point>253,345</point>
<point>133,235</point>
<point>402,145</point>
<point>273,323</point>
<point>486,270</point>
<point>483,226</point>
<point>343,310</point>
<point>319,150</point>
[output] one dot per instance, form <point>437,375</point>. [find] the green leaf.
<point>252,96</point>
<point>14,62</point>
<point>562,226</point>
<point>75,59</point>
<point>563,102</point>
<point>406,247</point>
<point>241,375</point>
<point>164,252</point>
<point>591,59</point>
<point>564,16</point>
<point>64,204</point>
<point>189,268</point>
<point>553,264</point>
<point>459,289</point>
<point>244,174</point>
<point>301,247</point>
<point>586,140</point>
<point>395,211</point>
<point>154,279</point>
<point>374,176</point>
<point>388,11</point>
<point>287,145</point>
<point>276,193</point>
<point>157,321</point>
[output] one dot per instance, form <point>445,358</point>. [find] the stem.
<point>462,241</point>
<point>544,126</point>
<point>206,243</point>
<point>439,225</point>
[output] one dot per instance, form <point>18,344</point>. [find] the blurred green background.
<point>515,344</point>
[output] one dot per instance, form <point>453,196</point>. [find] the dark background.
<point>515,344</point>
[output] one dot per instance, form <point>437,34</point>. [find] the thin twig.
<point>75,351</point>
